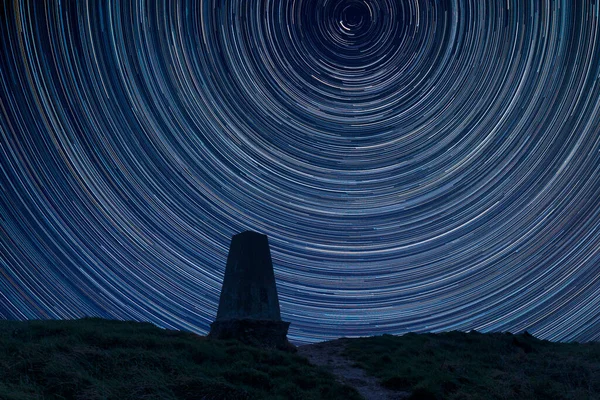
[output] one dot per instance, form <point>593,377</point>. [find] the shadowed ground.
<point>99,359</point>
<point>330,355</point>
<point>476,366</point>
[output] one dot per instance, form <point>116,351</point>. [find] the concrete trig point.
<point>249,307</point>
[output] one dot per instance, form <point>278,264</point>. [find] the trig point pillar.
<point>249,307</point>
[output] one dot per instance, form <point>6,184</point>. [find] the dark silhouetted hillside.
<point>476,366</point>
<point>100,359</point>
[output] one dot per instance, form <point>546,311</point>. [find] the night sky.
<point>418,165</point>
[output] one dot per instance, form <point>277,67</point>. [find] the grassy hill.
<point>99,359</point>
<point>476,366</point>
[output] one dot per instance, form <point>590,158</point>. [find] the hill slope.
<point>476,366</point>
<point>100,359</point>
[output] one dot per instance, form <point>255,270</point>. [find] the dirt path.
<point>329,355</point>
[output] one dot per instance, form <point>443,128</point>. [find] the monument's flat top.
<point>249,233</point>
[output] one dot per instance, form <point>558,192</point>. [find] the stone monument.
<point>248,306</point>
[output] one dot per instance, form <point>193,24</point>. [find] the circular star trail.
<point>418,165</point>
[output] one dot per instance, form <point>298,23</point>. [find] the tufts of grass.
<point>475,366</point>
<point>101,359</point>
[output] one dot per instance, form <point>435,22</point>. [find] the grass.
<point>475,366</point>
<point>100,359</point>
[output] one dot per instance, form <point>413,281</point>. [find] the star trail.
<point>417,165</point>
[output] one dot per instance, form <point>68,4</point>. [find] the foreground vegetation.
<point>475,366</point>
<point>99,359</point>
